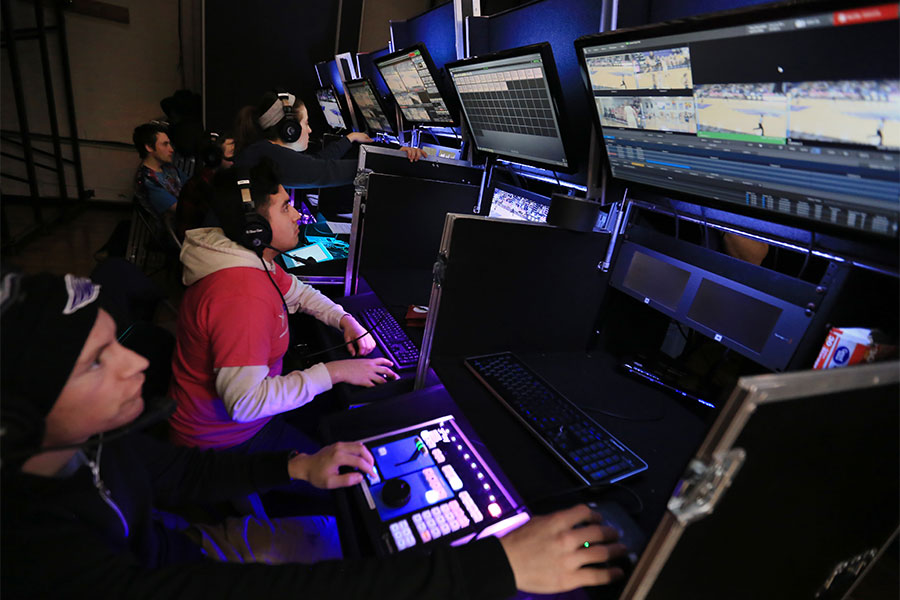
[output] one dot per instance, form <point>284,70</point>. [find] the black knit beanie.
<point>45,322</point>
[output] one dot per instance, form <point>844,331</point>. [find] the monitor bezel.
<point>378,98</point>
<point>436,75</point>
<point>556,95</point>
<point>717,20</point>
<point>341,108</point>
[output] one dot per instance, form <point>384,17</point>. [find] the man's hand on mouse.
<point>366,372</point>
<point>323,469</point>
<point>548,554</point>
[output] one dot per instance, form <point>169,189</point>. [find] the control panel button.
<point>452,477</point>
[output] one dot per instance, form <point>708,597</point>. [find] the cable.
<point>596,488</point>
<point>275,285</point>
<point>342,344</point>
<point>600,411</point>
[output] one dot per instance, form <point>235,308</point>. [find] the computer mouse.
<point>395,493</point>
<point>630,534</point>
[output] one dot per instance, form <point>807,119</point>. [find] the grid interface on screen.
<point>512,98</point>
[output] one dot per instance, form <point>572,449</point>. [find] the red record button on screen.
<point>883,12</point>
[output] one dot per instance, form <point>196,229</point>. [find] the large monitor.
<point>371,109</point>
<point>413,81</point>
<point>331,106</point>
<point>790,111</point>
<point>512,103</point>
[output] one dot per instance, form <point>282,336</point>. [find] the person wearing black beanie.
<point>74,525</point>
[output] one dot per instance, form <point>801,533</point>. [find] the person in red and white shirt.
<point>233,330</point>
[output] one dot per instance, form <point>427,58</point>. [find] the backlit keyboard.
<point>391,338</point>
<point>581,443</point>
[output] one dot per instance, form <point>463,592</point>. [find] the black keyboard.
<point>582,444</point>
<point>391,338</point>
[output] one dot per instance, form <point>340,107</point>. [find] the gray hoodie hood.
<point>208,250</point>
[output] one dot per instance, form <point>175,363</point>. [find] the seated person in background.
<point>78,512</point>
<point>233,329</point>
<point>260,132</point>
<point>157,181</point>
<point>195,199</point>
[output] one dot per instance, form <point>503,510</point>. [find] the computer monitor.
<point>513,105</point>
<point>331,106</point>
<point>371,109</point>
<point>413,81</point>
<point>790,111</point>
<point>508,202</point>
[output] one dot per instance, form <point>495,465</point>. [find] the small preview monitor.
<point>508,202</point>
<point>807,131</point>
<point>331,106</point>
<point>371,109</point>
<point>411,77</point>
<point>512,103</point>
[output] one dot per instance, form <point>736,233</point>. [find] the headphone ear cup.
<point>257,232</point>
<point>213,155</point>
<point>290,130</point>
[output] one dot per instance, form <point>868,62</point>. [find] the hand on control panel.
<point>324,469</point>
<point>547,554</point>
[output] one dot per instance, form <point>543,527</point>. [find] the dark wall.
<point>252,47</point>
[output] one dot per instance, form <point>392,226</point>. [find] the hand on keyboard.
<point>366,372</point>
<point>353,330</point>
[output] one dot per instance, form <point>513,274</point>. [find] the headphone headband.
<point>283,105</point>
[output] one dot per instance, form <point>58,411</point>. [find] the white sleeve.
<point>249,393</point>
<point>313,302</point>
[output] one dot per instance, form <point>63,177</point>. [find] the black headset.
<point>257,231</point>
<point>211,152</point>
<point>289,129</point>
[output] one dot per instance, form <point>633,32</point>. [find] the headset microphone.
<point>302,261</point>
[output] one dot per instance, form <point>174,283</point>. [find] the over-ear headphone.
<point>211,153</point>
<point>257,231</point>
<point>289,128</point>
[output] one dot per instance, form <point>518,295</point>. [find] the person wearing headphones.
<point>81,488</point>
<point>233,325</point>
<point>278,128</point>
<point>216,152</point>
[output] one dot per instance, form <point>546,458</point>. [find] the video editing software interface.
<point>515,204</point>
<point>364,95</point>
<point>413,86</point>
<point>798,116</point>
<point>331,107</point>
<point>510,109</point>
